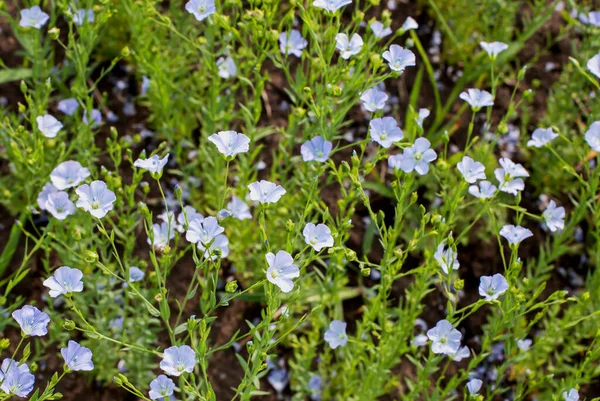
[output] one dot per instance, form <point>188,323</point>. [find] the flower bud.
<point>231,286</point>
<point>69,325</point>
<point>91,257</point>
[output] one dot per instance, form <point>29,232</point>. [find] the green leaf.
<point>14,74</point>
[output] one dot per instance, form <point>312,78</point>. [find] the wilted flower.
<point>201,9</point>
<point>161,387</point>
<point>541,137</point>
<point>292,43</point>
<point>494,48</point>
<point>227,67</point>
<point>399,58</point>
<point>446,339</point>
<point>48,189</point>
<point>592,136</point>
<point>178,360</point>
<point>515,235</point>
<point>554,217</point>
<point>423,114</point>
<point>593,65</point>
<point>374,99</point>
<point>509,176</point>
<point>68,106</point>
<point>203,231</point>
<point>316,149</point>
<point>282,270</point>
<point>348,47</point>
<point>64,281</point>
<point>220,243</point>
<point>446,258</point>
<point>163,234</point>
<point>33,322</point>
<point>385,131</point>
<point>471,170</point>
<point>318,236</point>
<point>68,174</point>
<point>152,164</point>
<point>331,5</point>
<point>48,125</point>
<point>17,381</point>
<point>59,205</point>
<point>572,395</point>
<point>415,158</point>
<point>135,274</point>
<point>33,17</point>
<point>491,287</point>
<point>477,98</point>
<point>95,198</point>
<point>77,357</point>
<point>265,192</point>
<point>485,190</point>
<point>409,24</point>
<point>379,30</point>
<point>524,345</point>
<point>230,143</point>
<point>473,386</point>
<point>336,334</point>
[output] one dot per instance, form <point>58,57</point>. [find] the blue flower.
<point>163,233</point>
<point>336,334</point>
<point>509,176</point>
<point>485,190</point>
<point>446,258</point>
<point>95,118</point>
<point>68,106</point>
<point>494,48</point>
<point>46,191</point>
<point>64,281</point>
<point>79,16</point>
<point>515,234</point>
<point>318,236</point>
<point>265,192</point>
<point>178,360</point>
<point>409,24</point>
<point>524,345</point>
<point>292,43</point>
<point>473,386</point>
<point>201,8</point>
<point>592,136</point>
<point>471,170</point>
<point>554,217</point>
<point>593,65</point>
<point>33,322</point>
<point>239,209</point>
<point>282,270</point>
<point>152,164</point>
<point>33,17</point>
<point>227,67</point>
<point>541,137</point>
<point>17,382</point>
<point>315,387</point>
<point>161,387</point>
<point>220,243</point>
<point>316,149</point>
<point>77,357</point>
<point>190,214</point>
<point>331,5</point>
<point>230,143</point>
<point>374,99</point>
<point>415,158</point>
<point>135,274</point>
<point>68,174</point>
<point>59,205</point>
<point>477,98</point>
<point>572,395</point>
<point>492,287</point>
<point>348,47</point>
<point>95,198</point>
<point>385,131</point>
<point>203,231</point>
<point>399,58</point>
<point>379,30</point>
<point>278,379</point>
<point>445,338</point>
<point>48,125</point>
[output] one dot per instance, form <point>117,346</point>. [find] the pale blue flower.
<point>163,233</point>
<point>379,30</point>
<point>336,335</point>
<point>282,270</point>
<point>420,340</point>
<point>33,17</point>
<point>59,205</point>
<point>315,387</point>
<point>152,164</point>
<point>191,214</point>
<point>485,190</point>
<point>591,18</point>
<point>145,85</point>
<point>423,114</point>
<point>524,345</point>
<point>68,106</point>
<point>593,65</point>
<point>409,24</point>
<point>64,281</point>
<point>42,197</point>
<point>292,43</point>
<point>227,67</point>
<point>462,353</point>
<point>592,136</point>
<point>348,47</point>
<point>79,16</point>
<point>316,149</point>
<point>178,360</point>
<point>515,234</point>
<point>477,98</point>
<point>223,214</point>
<point>572,395</point>
<point>76,357</point>
<point>331,5</point>
<point>541,137</point>
<point>446,258</point>
<point>95,118</point>
<point>318,236</point>
<point>220,244</point>
<point>265,192</point>
<point>48,125</point>
<point>415,158</point>
<point>135,274</point>
<point>554,217</point>
<point>278,379</point>
<point>446,339</point>
<point>17,382</point>
<point>203,231</point>
<point>493,48</point>
<point>161,387</point>
<point>239,209</point>
<point>491,287</point>
<point>471,170</point>
<point>9,365</point>
<point>374,99</point>
<point>230,143</point>
<point>385,131</point>
<point>68,174</point>
<point>201,9</point>
<point>473,386</point>
<point>509,176</point>
<point>33,322</point>
<point>95,198</point>
<point>399,58</point>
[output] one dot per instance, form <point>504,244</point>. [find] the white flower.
<point>446,339</point>
<point>385,131</point>
<point>485,190</point>
<point>494,48</point>
<point>68,174</point>
<point>316,149</point>
<point>203,231</point>
<point>163,233</point>
<point>572,395</point>
<point>446,258</point>
<point>331,5</point>
<point>399,58</point>
<point>471,170</point>
<point>593,65</point>
<point>515,234</point>
<point>409,24</point>
<point>473,386</point>
<point>201,9</point>
<point>239,209</point>
<point>374,99</point>
<point>265,192</point>
<point>379,30</point>
<point>95,198</point>
<point>282,270</point>
<point>230,143</point>
<point>477,98</point>
<point>292,43</point>
<point>348,47</point>
<point>336,334</point>
<point>554,217</point>
<point>227,67</point>
<point>153,164</point>
<point>48,125</point>
<point>59,205</point>
<point>592,136</point>
<point>541,137</point>
<point>48,189</point>
<point>524,345</point>
<point>415,158</point>
<point>492,287</point>
<point>318,236</point>
<point>33,17</point>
